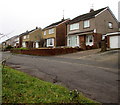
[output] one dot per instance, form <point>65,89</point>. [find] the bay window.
<point>50,42</point>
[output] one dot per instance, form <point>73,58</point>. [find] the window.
<point>74,26</point>
<point>44,32</point>
<point>110,25</point>
<point>51,31</point>
<point>28,36</point>
<point>86,23</point>
<point>50,42</point>
<point>24,37</point>
<point>73,41</point>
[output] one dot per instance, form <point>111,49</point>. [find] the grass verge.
<point>19,87</point>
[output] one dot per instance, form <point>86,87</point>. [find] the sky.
<point>18,16</point>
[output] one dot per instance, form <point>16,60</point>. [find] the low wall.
<point>46,52</point>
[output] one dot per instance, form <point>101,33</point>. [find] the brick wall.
<point>46,52</point>
<point>82,42</point>
<point>97,40</point>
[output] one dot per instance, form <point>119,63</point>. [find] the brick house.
<point>55,34</point>
<point>86,30</point>
<point>31,39</point>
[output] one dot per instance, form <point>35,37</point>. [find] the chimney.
<point>91,10</point>
<point>63,16</point>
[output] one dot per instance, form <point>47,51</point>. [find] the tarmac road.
<point>95,75</point>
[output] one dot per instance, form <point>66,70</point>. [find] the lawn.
<point>19,87</point>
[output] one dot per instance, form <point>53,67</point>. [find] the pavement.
<point>93,73</point>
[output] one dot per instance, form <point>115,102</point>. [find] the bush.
<point>9,47</point>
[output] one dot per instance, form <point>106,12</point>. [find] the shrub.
<point>9,47</point>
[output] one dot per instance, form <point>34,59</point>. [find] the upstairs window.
<point>74,26</point>
<point>86,24</point>
<point>51,31</point>
<point>110,25</point>
<point>27,36</point>
<point>24,37</point>
<point>44,32</point>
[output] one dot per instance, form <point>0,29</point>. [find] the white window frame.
<point>86,23</point>
<point>51,31</point>
<point>50,42</point>
<point>44,32</point>
<point>24,37</point>
<point>74,26</point>
<point>70,40</point>
<point>27,36</point>
<point>110,25</point>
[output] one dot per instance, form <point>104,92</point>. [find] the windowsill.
<point>110,28</point>
<point>74,30</point>
<point>50,45</point>
<point>51,33</point>
<point>86,27</point>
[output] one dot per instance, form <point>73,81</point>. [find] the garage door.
<point>114,41</point>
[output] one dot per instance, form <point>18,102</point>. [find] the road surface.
<point>95,75</point>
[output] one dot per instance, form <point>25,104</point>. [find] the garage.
<point>113,40</point>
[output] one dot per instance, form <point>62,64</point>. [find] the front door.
<point>89,40</point>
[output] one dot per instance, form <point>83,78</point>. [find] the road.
<point>95,75</point>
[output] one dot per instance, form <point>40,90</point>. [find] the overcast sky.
<point>17,16</point>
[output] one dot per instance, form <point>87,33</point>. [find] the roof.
<point>54,24</point>
<point>113,33</point>
<point>27,32</point>
<point>86,16</point>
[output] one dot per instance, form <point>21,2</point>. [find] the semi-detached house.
<point>31,39</point>
<point>86,30</point>
<point>54,35</point>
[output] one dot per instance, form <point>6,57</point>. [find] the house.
<point>86,30</point>
<point>31,39</point>
<point>16,42</point>
<point>55,34</point>
<point>13,42</point>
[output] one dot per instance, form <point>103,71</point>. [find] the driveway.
<point>94,74</point>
